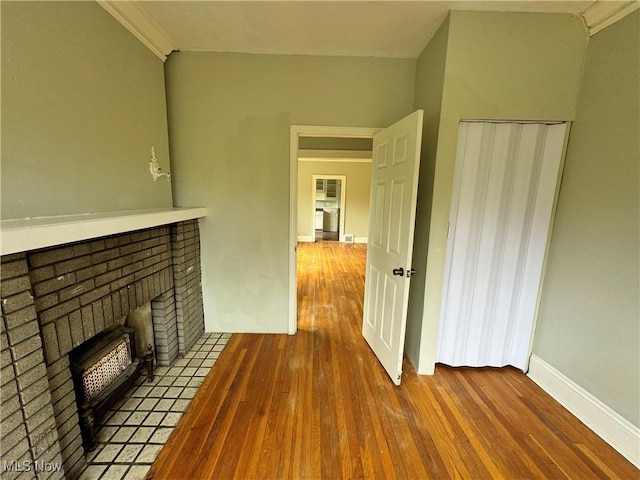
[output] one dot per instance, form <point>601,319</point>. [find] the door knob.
<point>400,272</point>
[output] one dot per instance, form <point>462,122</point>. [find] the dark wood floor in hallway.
<point>318,405</point>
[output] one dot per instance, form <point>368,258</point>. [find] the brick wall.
<point>165,328</point>
<point>27,424</point>
<point>65,410</point>
<point>188,284</point>
<point>55,299</point>
<point>83,289</point>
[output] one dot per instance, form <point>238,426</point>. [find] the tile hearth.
<point>134,432</point>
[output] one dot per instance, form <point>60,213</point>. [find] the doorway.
<point>328,199</point>
<point>298,132</point>
<point>391,215</point>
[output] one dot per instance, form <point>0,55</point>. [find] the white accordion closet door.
<point>502,203</point>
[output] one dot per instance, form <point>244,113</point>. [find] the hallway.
<point>318,405</point>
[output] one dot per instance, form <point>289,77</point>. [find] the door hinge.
<point>399,376</point>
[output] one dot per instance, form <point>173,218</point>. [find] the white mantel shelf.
<point>24,234</point>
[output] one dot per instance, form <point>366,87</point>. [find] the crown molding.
<point>138,22</point>
<point>601,13</point>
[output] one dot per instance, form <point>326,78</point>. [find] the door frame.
<point>295,132</point>
<point>343,205</point>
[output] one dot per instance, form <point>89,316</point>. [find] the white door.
<point>394,189</point>
<point>502,202</point>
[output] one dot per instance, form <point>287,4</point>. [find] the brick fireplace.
<point>56,298</point>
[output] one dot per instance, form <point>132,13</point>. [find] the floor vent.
<point>348,239</point>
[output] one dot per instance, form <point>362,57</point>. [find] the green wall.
<point>229,123</point>
<point>82,103</point>
<point>430,71</point>
<point>335,143</point>
<point>358,185</point>
<point>588,325</point>
<point>505,66</point>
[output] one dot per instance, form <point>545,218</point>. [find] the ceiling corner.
<point>601,14</point>
<point>136,20</point>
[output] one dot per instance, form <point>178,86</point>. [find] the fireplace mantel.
<point>27,234</point>
<point>67,279</point>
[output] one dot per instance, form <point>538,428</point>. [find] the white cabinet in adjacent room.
<point>319,219</point>
<point>331,217</point>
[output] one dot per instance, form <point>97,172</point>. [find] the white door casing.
<point>342,201</point>
<point>394,188</point>
<point>295,132</point>
<point>504,189</point>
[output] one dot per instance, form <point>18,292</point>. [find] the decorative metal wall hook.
<point>154,167</point>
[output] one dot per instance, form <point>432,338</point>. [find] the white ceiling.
<point>342,28</point>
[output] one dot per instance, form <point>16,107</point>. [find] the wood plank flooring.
<point>322,236</point>
<point>318,405</point>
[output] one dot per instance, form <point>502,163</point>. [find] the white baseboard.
<point>607,424</point>
<point>308,238</point>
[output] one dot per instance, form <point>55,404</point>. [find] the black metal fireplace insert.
<point>103,369</point>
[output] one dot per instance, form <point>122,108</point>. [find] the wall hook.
<point>154,167</point>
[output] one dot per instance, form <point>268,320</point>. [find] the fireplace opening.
<point>141,321</point>
<point>103,369</point>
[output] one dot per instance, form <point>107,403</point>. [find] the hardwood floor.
<point>322,236</point>
<point>318,405</point>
